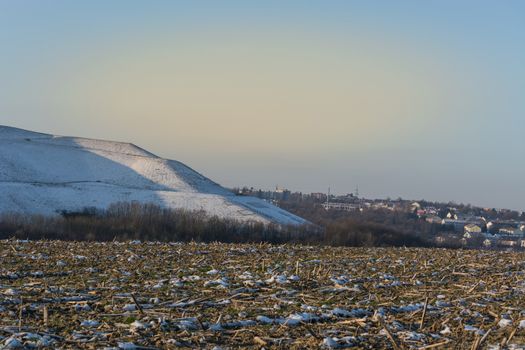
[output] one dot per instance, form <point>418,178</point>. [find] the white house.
<point>510,231</point>
<point>471,230</point>
<point>508,243</point>
<point>415,206</point>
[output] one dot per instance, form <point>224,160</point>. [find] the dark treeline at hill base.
<point>132,221</point>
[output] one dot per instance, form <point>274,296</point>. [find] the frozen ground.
<point>43,174</point>
<point>135,295</point>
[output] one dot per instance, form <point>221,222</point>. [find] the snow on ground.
<point>44,174</point>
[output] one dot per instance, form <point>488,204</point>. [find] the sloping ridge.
<point>45,174</point>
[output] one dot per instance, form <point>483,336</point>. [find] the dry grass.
<point>132,296</point>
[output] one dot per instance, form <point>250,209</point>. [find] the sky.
<point>411,99</point>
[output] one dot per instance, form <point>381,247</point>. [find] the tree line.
<point>135,221</point>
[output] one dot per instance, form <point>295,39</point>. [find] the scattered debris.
<point>150,295</point>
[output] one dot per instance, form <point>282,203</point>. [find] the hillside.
<point>45,174</point>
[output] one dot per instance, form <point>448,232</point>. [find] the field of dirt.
<point>137,295</point>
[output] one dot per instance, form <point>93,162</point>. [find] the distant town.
<point>448,223</point>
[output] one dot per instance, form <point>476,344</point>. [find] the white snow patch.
<point>90,323</point>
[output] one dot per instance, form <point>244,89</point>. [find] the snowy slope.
<point>41,173</point>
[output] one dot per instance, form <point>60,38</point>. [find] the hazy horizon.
<point>407,99</point>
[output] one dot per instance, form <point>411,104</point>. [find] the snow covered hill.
<point>45,174</point>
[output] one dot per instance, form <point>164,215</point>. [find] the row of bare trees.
<point>134,221</point>
<point>130,221</point>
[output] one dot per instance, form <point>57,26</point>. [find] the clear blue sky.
<point>419,99</point>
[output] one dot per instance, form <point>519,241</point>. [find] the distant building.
<point>421,212</point>
<point>472,228</point>
<point>509,231</point>
<point>458,225</point>
<point>281,193</point>
<point>508,243</point>
<point>507,225</point>
<point>382,205</point>
<point>318,196</point>
<point>431,211</point>
<point>415,206</point>
<point>341,206</point>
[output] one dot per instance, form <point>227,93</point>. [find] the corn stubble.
<point>133,295</point>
